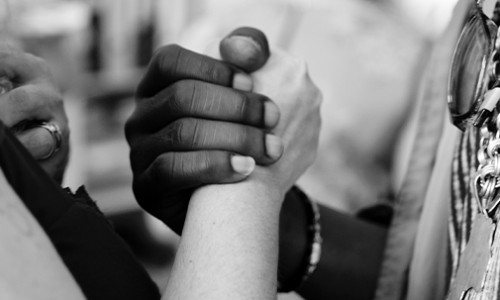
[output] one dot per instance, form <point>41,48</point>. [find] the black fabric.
<point>99,260</point>
<point>103,265</point>
<point>46,201</point>
<point>379,214</point>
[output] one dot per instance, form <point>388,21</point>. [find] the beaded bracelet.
<point>314,251</point>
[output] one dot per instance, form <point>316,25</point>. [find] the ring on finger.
<point>56,134</point>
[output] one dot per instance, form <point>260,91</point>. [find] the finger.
<point>197,134</point>
<point>172,63</point>
<point>197,99</point>
<point>195,168</point>
<point>246,48</point>
<point>6,85</point>
<point>39,142</point>
<point>29,102</point>
<point>22,67</point>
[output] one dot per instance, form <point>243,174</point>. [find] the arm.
<point>165,192</point>
<point>352,248</point>
<point>97,258</point>
<point>351,252</point>
<point>229,243</point>
<point>31,268</point>
<point>191,128</point>
<point>351,258</point>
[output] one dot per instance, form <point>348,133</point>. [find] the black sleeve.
<point>99,260</point>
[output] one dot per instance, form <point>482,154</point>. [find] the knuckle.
<point>295,66</point>
<point>166,57</point>
<point>166,52</point>
<point>140,120</point>
<point>130,128</point>
<point>214,71</point>
<point>309,92</point>
<point>21,98</point>
<point>165,167</point>
<point>186,132</point>
<point>175,133</point>
<point>180,93</point>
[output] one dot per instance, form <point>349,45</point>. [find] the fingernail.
<point>274,146</point>
<point>243,52</point>
<point>243,164</point>
<point>242,82</point>
<point>241,47</point>
<point>271,114</point>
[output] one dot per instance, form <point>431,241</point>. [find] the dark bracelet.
<point>314,252</point>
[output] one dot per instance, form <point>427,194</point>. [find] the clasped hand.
<point>200,120</point>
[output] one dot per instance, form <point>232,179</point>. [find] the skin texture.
<point>251,208</point>
<point>229,246</point>
<point>188,126</point>
<point>333,278</point>
<point>245,48</point>
<point>30,97</point>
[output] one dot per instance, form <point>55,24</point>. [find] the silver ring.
<point>56,134</point>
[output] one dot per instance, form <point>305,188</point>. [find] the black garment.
<point>99,260</point>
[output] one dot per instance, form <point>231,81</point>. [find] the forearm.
<point>351,256</point>
<point>229,246</point>
<point>31,268</point>
<point>97,258</point>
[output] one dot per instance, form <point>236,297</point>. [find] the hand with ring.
<point>32,107</point>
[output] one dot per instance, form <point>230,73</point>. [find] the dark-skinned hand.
<point>196,122</point>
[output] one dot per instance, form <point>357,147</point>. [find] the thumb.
<point>39,141</point>
<point>246,48</point>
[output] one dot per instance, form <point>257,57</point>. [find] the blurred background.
<point>365,55</point>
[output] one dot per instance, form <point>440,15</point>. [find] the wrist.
<point>251,197</point>
<point>264,179</point>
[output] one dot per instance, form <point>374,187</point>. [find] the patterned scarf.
<point>464,210</point>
